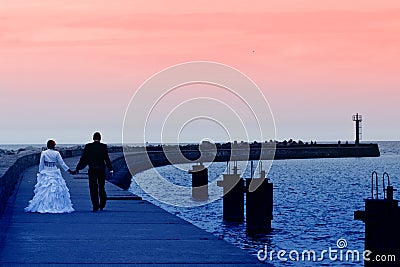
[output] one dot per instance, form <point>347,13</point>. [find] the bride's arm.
<point>41,163</point>
<point>61,162</point>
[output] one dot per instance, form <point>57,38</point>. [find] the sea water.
<point>314,204</point>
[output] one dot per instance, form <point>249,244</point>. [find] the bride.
<point>51,192</point>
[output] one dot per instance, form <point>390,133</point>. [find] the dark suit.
<point>96,156</point>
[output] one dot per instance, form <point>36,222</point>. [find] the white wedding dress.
<point>51,192</point>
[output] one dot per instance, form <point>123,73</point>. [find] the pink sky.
<point>69,68</point>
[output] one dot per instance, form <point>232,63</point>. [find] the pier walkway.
<point>128,232</point>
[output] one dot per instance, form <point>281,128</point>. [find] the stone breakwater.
<point>140,159</point>
<point>11,166</point>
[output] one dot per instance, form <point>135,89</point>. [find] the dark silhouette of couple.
<point>51,194</point>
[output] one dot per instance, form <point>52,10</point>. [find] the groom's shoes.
<point>95,210</point>
<point>101,206</point>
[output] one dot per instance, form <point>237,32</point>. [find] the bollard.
<point>382,232</point>
<point>233,199</point>
<point>199,182</point>
<point>259,204</point>
<point>389,192</point>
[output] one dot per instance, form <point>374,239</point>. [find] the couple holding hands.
<point>51,194</point>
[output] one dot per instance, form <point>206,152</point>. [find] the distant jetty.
<point>268,150</point>
<point>327,151</point>
<point>142,158</point>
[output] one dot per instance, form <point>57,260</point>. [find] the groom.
<point>96,156</point>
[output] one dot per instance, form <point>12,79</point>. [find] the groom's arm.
<point>83,161</point>
<point>107,160</point>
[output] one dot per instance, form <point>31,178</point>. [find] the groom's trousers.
<point>97,180</point>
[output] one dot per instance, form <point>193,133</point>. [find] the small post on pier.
<point>233,199</point>
<point>259,204</point>
<point>382,232</point>
<point>358,119</point>
<point>199,182</point>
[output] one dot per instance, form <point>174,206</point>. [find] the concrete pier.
<point>259,205</point>
<point>128,232</point>
<point>233,199</point>
<point>199,182</point>
<point>382,219</point>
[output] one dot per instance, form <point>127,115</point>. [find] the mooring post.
<point>199,182</point>
<point>382,232</point>
<point>259,204</point>
<point>233,199</point>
